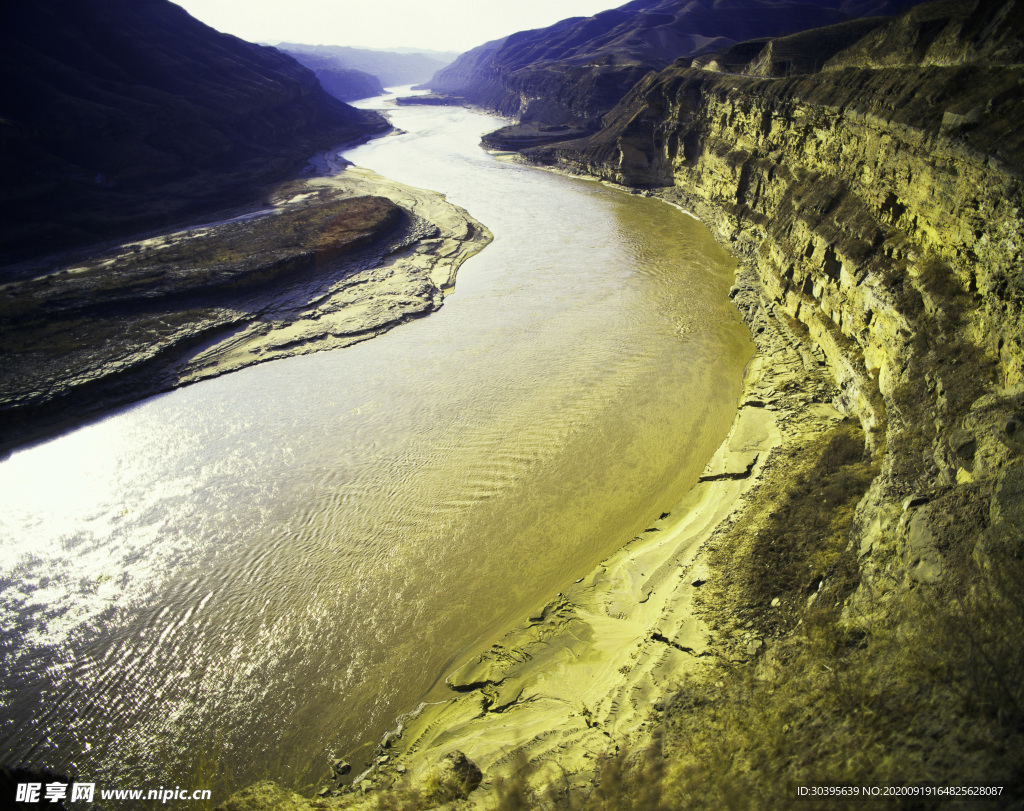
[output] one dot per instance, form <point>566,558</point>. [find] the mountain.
<point>345,84</point>
<point>393,68</point>
<point>559,81</point>
<point>948,70</point>
<point>119,115</point>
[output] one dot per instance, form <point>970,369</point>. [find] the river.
<point>246,577</point>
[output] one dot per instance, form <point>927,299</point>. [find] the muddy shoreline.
<point>582,677</point>
<point>84,339</point>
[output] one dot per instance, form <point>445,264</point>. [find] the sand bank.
<point>583,675</point>
<point>293,277</point>
<point>411,280</point>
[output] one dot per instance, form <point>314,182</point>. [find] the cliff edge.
<point>559,81</point>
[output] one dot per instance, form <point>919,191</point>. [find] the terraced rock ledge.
<point>330,261</point>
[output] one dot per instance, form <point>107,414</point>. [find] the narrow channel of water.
<point>250,574</point>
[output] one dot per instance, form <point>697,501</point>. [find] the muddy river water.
<point>244,577</point>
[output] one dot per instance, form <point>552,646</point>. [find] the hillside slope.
<point>345,84</point>
<point>559,81</point>
<point>124,114</point>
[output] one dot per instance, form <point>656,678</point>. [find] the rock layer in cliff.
<point>560,80</point>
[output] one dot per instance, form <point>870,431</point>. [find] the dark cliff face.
<point>127,114</point>
<point>560,80</point>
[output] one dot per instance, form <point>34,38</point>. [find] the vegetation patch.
<point>927,696</point>
<point>794,539</point>
<point>829,707</point>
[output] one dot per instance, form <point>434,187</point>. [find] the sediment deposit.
<point>330,261</point>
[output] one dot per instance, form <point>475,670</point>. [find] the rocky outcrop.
<point>879,200</point>
<point>559,81</point>
<point>122,115</point>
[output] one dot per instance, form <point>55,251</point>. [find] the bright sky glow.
<point>449,25</point>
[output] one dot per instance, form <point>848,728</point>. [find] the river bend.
<point>248,575</point>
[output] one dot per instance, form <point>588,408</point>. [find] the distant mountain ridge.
<point>562,79</point>
<point>345,84</point>
<point>392,68</point>
<point>119,115</point>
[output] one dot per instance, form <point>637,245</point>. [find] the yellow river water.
<point>249,576</point>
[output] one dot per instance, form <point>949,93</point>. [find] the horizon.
<point>386,27</point>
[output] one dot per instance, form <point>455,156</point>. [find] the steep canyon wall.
<point>879,203</point>
<point>564,78</point>
<point>125,115</point>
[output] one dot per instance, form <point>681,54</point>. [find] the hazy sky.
<point>441,25</point>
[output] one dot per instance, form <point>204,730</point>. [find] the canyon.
<point>878,203</point>
<point>837,599</point>
<point>846,616</point>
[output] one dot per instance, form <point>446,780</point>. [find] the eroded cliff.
<point>560,80</point>
<point>850,613</point>
<point>879,200</point>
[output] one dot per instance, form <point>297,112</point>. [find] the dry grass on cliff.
<point>899,711</point>
<point>931,696</point>
<point>792,541</point>
<point>927,696</point>
<point>944,368</point>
